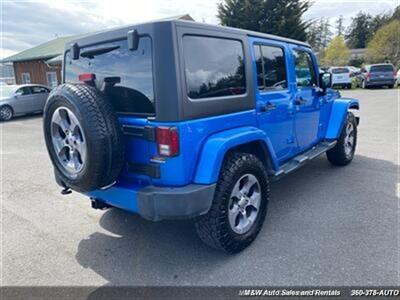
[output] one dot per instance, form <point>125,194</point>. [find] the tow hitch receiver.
<point>97,204</point>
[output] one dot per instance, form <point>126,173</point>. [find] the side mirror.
<point>325,81</point>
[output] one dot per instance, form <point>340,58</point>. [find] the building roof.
<point>55,48</point>
<point>47,50</point>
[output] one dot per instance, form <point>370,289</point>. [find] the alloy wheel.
<point>244,203</point>
<point>6,113</point>
<point>68,140</point>
<point>349,139</point>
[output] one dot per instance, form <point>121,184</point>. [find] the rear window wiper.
<point>91,53</point>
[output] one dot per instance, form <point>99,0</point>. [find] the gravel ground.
<point>325,225</point>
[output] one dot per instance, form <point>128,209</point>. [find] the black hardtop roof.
<point>187,23</point>
<point>242,31</point>
<point>382,64</point>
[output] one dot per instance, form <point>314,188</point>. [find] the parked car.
<point>175,120</point>
<point>16,100</point>
<point>354,70</point>
<point>398,77</point>
<point>341,76</point>
<point>378,75</point>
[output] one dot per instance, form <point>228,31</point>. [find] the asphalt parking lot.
<point>325,225</point>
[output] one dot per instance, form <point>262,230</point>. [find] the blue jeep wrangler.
<point>177,119</point>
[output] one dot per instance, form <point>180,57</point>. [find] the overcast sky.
<point>25,24</point>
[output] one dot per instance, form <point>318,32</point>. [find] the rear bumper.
<point>341,82</point>
<point>159,203</point>
<point>376,82</point>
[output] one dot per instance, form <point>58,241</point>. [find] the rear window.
<point>340,71</point>
<point>125,76</point>
<point>214,67</point>
<point>382,68</point>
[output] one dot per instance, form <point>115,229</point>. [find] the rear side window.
<point>271,69</point>
<point>214,67</point>
<point>340,71</point>
<point>39,90</point>
<point>125,76</point>
<point>304,69</point>
<point>382,68</point>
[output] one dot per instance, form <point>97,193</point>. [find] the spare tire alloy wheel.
<point>83,137</point>
<point>68,140</point>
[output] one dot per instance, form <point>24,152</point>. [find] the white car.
<point>341,76</point>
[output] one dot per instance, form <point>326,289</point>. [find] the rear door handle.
<point>268,106</point>
<point>300,101</point>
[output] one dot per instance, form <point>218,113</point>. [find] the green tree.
<point>339,25</point>
<point>385,45</point>
<point>396,14</point>
<point>319,34</point>
<point>282,18</point>
<point>359,31</point>
<point>337,53</point>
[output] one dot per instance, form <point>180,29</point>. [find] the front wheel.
<point>239,206</point>
<point>343,152</point>
<point>6,113</point>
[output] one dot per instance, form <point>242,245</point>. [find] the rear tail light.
<point>87,77</point>
<point>368,76</point>
<point>351,74</point>
<point>167,139</point>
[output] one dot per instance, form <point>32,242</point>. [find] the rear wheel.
<point>239,206</point>
<point>6,113</point>
<point>343,152</point>
<point>390,86</point>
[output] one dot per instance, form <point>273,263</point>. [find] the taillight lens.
<point>368,76</point>
<point>86,77</point>
<point>351,74</point>
<point>167,139</point>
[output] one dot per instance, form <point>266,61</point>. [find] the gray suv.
<point>378,75</point>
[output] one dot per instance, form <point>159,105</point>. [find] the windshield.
<point>340,71</point>
<point>6,91</point>
<point>125,76</point>
<point>382,68</point>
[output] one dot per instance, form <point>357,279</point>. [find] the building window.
<point>51,79</point>
<point>26,78</point>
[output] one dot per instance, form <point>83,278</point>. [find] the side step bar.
<point>301,159</point>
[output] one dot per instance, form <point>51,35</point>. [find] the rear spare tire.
<point>83,137</point>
